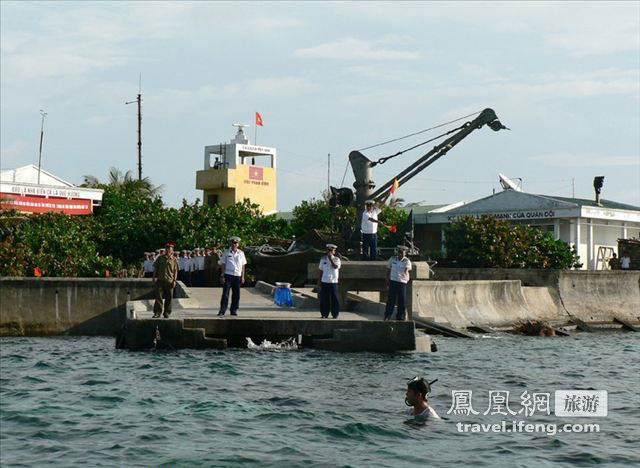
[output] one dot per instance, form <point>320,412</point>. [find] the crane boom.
<point>362,165</point>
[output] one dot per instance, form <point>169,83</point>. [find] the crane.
<point>362,166</point>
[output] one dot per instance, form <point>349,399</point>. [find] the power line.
<point>419,132</point>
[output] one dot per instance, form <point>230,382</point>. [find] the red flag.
<point>393,228</point>
<point>37,272</point>
<point>258,119</point>
<point>256,173</point>
<point>394,186</point>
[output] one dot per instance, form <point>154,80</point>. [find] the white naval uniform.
<point>233,262</point>
<point>329,273</point>
<point>369,227</point>
<point>399,269</point>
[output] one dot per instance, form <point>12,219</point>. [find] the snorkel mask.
<point>420,385</point>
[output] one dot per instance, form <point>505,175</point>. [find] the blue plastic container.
<point>282,297</point>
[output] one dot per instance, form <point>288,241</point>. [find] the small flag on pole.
<point>394,186</point>
<point>258,119</point>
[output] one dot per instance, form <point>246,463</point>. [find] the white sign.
<point>512,215</point>
<point>581,403</point>
<point>44,191</point>
<point>256,149</point>
<point>49,191</point>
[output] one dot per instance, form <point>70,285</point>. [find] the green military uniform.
<point>166,270</point>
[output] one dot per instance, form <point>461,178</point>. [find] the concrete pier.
<point>370,276</point>
<point>194,324</point>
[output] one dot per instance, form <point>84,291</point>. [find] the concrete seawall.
<point>477,303</point>
<point>463,295</point>
<point>74,306</point>
<point>600,297</point>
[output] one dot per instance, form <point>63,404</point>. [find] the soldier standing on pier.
<point>398,270</point>
<point>164,275</point>
<point>232,268</point>
<point>330,267</point>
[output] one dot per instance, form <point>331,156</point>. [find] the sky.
<point>328,78</point>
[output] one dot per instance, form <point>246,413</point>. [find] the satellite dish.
<point>508,184</point>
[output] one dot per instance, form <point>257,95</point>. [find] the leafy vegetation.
<point>487,242</point>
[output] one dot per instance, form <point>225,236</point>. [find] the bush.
<point>487,242</point>
<point>58,245</point>
<point>129,223</point>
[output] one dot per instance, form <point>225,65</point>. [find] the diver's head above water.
<point>418,390</point>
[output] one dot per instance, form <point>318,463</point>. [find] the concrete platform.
<point>370,276</point>
<point>194,323</point>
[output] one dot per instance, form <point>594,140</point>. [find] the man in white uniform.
<point>369,229</point>
<point>200,267</point>
<point>232,268</point>
<point>398,270</point>
<point>182,267</point>
<point>330,267</point>
<point>147,265</point>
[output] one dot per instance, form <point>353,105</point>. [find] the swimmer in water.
<point>417,397</point>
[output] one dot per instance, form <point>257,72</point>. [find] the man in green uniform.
<point>164,276</point>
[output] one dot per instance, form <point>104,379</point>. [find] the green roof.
<point>603,203</point>
<point>420,209</point>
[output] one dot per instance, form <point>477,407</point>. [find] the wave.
<point>266,345</point>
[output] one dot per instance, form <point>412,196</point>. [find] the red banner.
<point>258,119</point>
<point>27,204</point>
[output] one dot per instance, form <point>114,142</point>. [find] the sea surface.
<point>78,402</point>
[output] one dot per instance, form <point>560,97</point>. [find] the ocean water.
<point>78,402</point>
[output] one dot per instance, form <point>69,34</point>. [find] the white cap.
<point>332,246</point>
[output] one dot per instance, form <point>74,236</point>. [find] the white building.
<point>593,229</point>
<point>28,190</point>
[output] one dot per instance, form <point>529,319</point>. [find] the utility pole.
<point>43,114</point>
<point>139,101</point>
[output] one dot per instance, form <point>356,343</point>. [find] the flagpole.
<point>255,135</point>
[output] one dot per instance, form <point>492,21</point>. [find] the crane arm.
<point>362,165</point>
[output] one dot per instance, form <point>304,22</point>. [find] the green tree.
<point>124,182</point>
<point>312,214</point>
<point>487,242</point>
<point>58,244</point>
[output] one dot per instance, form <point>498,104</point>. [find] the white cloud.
<point>354,49</point>
<point>554,85</point>
<point>579,28</point>
<point>69,39</point>
<point>15,153</point>
<point>565,159</point>
<point>178,101</point>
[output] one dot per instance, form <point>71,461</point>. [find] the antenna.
<point>509,184</point>
<point>139,101</point>
<point>241,127</point>
<point>43,114</point>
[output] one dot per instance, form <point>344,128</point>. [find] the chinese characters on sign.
<point>568,403</point>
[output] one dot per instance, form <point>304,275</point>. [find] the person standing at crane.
<point>369,228</point>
